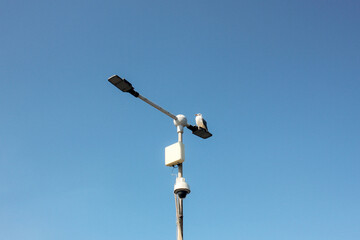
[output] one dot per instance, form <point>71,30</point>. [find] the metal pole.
<point>157,107</point>
<point>179,210</point>
<point>180,137</point>
<point>180,168</point>
<point>178,217</point>
<point>179,201</point>
<point>181,226</point>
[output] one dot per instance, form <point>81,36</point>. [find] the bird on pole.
<point>200,121</point>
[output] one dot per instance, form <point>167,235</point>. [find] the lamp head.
<point>123,85</point>
<point>120,83</point>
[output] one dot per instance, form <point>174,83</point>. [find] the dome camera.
<point>181,188</point>
<point>182,193</point>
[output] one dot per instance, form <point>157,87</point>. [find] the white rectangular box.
<point>174,154</point>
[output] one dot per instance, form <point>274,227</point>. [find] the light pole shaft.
<point>157,107</point>
<point>180,221</point>
<point>179,217</point>
<point>180,137</point>
<point>179,201</point>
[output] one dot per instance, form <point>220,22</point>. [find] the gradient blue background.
<point>277,81</point>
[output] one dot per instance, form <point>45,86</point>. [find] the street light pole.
<point>178,200</point>
<point>175,153</point>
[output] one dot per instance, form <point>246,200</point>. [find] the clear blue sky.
<point>277,81</point>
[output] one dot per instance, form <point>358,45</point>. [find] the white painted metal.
<point>157,106</point>
<point>179,207</point>
<point>180,122</point>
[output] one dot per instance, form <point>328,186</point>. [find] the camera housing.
<point>181,188</point>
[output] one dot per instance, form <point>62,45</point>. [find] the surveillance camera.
<point>181,188</point>
<point>182,193</point>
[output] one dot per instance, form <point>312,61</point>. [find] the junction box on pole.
<point>174,154</point>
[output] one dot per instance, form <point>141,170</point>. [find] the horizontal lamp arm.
<point>157,107</point>
<point>125,86</point>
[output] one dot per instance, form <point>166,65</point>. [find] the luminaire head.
<point>200,132</point>
<point>123,85</point>
<point>120,83</point>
